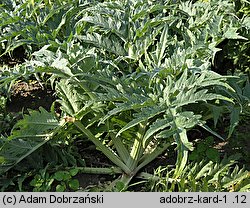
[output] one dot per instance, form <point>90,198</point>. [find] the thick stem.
<point>121,149</point>
<point>137,149</point>
<point>121,184</point>
<point>105,150</point>
<point>147,158</point>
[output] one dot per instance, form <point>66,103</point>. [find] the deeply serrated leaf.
<point>27,136</point>
<point>143,116</point>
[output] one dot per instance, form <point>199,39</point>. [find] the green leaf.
<point>74,184</point>
<point>60,187</point>
<point>125,107</point>
<point>161,46</point>
<point>110,45</point>
<point>62,175</point>
<point>213,154</point>
<point>201,148</point>
<point>232,33</point>
<point>158,125</point>
<point>74,171</point>
<point>234,119</point>
<point>211,131</point>
<point>204,171</point>
<point>70,99</point>
<point>119,185</point>
<point>35,125</point>
<point>187,119</point>
<point>245,188</point>
<point>112,24</point>
<point>194,156</point>
<point>27,136</point>
<point>149,112</point>
<point>217,113</point>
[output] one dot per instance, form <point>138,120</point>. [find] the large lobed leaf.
<point>27,136</point>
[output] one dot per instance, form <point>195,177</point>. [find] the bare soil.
<point>30,96</point>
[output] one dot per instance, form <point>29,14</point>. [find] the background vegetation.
<point>144,95</point>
